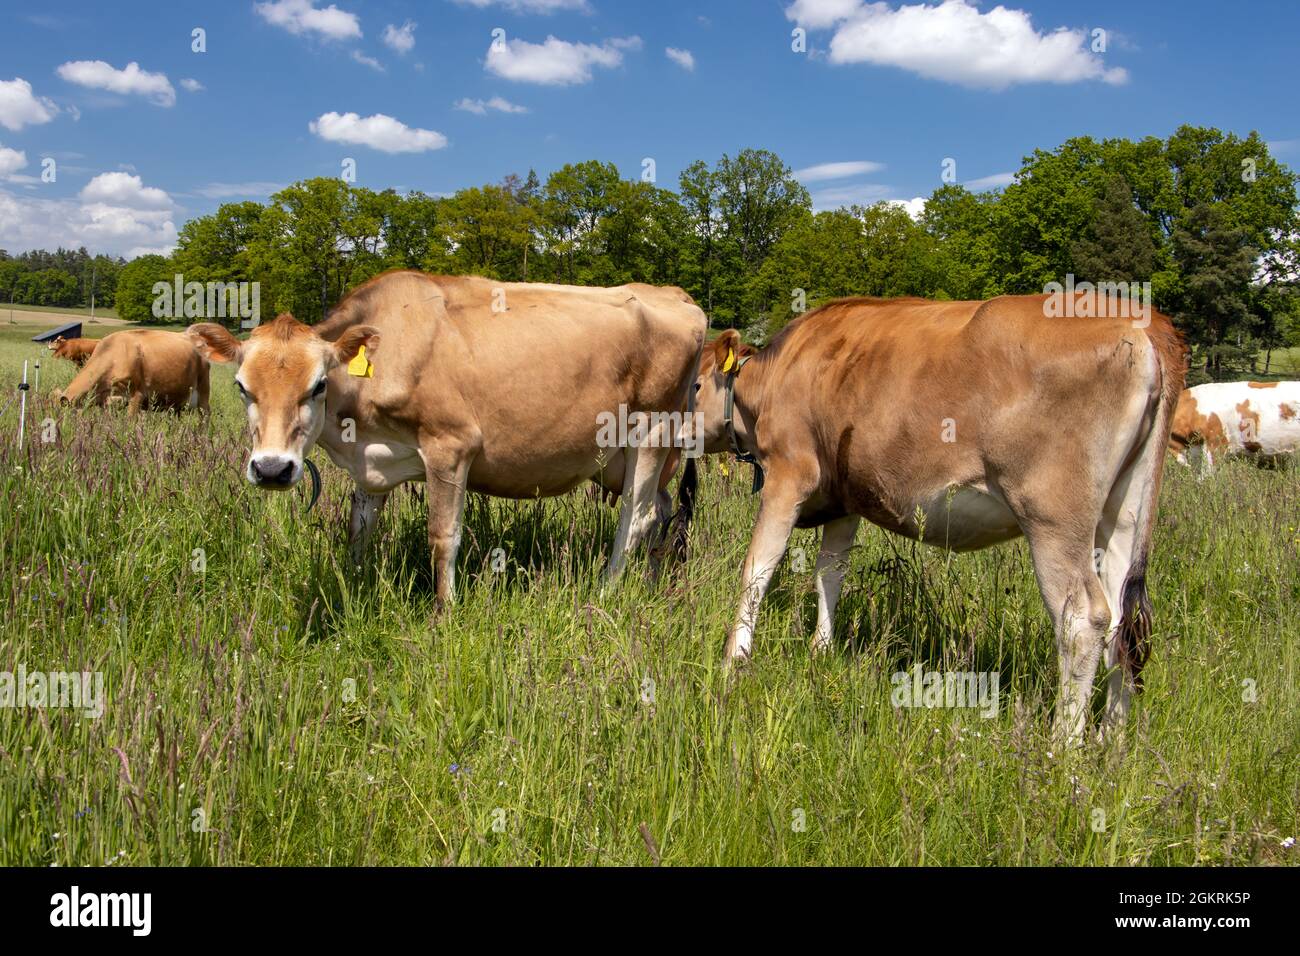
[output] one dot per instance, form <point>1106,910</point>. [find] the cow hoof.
<point>734,662</point>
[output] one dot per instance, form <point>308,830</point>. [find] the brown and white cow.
<point>470,384</point>
<point>964,424</point>
<point>76,351</point>
<point>1259,420</point>
<point>146,368</point>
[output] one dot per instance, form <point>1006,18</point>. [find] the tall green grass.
<point>315,713</point>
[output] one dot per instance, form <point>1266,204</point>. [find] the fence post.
<point>22,411</point>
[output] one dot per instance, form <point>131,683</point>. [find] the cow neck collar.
<point>728,420</point>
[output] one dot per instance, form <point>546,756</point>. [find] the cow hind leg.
<point>1121,543</point>
<point>837,539</point>
<point>637,518</point>
<point>1073,593</point>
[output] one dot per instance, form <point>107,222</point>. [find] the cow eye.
<point>319,390</point>
<point>243,392</point>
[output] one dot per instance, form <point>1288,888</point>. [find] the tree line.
<point>1208,219</point>
<point>65,278</point>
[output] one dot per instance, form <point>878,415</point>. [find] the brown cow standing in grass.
<point>146,368</point>
<point>964,424</point>
<point>76,351</point>
<point>469,384</point>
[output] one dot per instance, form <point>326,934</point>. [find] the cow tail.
<point>1134,631</point>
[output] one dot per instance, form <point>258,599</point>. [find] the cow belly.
<point>965,519</point>
<point>533,477</point>
<point>1275,436</point>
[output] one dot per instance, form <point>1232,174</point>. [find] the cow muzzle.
<point>274,472</point>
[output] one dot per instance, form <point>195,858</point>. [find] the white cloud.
<point>124,190</point>
<point>192,86</point>
<point>683,58</point>
<point>11,160</point>
<point>378,132</point>
<point>954,42</point>
<point>528,6</point>
<point>19,107</point>
<point>824,171</point>
<point>497,103</point>
<point>401,39</point>
<point>303,16</point>
<point>116,214</point>
<point>914,207</point>
<point>233,190</point>
<point>995,181</point>
<point>555,62</point>
<point>98,75</point>
<point>820,14</point>
<point>369,61</point>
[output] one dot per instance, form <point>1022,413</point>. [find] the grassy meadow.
<point>268,704</point>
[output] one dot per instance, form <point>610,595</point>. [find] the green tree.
<point>699,201</point>
<point>575,201</point>
<point>962,233</point>
<point>1118,246</point>
<point>489,230</point>
<point>135,295</point>
<point>1212,301</point>
<point>758,199</point>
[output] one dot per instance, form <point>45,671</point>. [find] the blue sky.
<point>289,88</point>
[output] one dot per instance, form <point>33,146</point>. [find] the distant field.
<point>73,311</point>
<point>269,704</point>
<point>1283,362</point>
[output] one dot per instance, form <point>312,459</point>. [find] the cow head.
<point>281,374</point>
<point>57,345</point>
<point>711,385</point>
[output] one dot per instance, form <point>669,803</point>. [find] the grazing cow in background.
<point>963,424</point>
<point>1259,420</point>
<point>77,351</point>
<point>146,368</point>
<point>470,384</point>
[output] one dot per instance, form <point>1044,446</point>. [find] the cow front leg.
<point>362,521</point>
<point>776,518</point>
<point>446,475</point>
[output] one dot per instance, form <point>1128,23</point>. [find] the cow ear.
<point>351,341</point>
<point>726,350</point>
<point>214,343</point>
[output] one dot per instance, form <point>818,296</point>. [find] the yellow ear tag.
<point>730,363</point>
<point>360,365</point>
